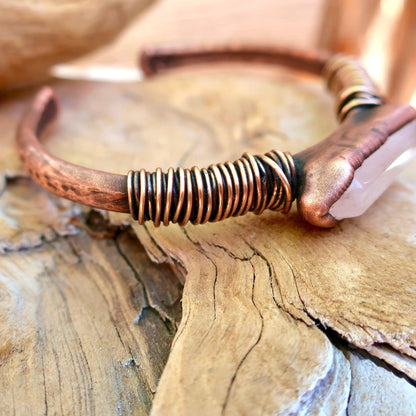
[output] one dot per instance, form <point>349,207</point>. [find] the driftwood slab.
<point>270,305</point>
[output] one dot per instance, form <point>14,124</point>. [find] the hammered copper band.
<point>90,187</point>
<point>251,183</point>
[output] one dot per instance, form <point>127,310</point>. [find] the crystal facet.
<point>376,173</point>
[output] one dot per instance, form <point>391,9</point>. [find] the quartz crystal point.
<point>377,173</point>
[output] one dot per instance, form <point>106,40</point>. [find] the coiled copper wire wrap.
<point>251,183</point>
<point>350,84</point>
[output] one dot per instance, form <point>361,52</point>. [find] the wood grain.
<point>81,331</point>
<point>232,296</point>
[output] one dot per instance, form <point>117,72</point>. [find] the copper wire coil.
<point>251,183</point>
<point>351,84</point>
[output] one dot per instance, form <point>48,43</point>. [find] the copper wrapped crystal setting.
<point>337,178</point>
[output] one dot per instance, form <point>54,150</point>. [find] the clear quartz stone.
<point>377,173</point>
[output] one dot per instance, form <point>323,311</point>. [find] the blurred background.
<point>35,35</point>
<point>382,32</point>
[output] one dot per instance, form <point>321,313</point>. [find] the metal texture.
<point>317,176</point>
<point>87,186</point>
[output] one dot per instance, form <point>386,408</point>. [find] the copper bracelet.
<point>317,177</point>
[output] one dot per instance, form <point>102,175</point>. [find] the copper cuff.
<point>252,183</point>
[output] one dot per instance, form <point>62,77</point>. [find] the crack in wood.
<point>249,350</point>
<point>149,305</point>
<point>214,286</point>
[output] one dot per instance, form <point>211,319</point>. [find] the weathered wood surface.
<point>86,320</point>
<point>86,323</point>
<point>72,341</point>
<point>34,35</point>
